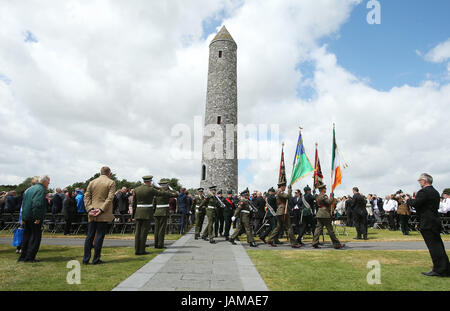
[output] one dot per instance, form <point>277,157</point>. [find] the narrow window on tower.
<point>220,54</point>
<point>219,120</point>
<point>203,172</point>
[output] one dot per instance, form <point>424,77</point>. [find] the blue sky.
<point>386,53</point>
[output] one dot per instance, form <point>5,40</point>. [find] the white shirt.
<point>375,204</point>
<point>444,206</point>
<point>390,205</point>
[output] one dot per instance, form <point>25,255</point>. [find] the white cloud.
<point>107,81</point>
<point>439,53</point>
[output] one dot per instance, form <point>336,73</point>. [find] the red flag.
<point>318,176</point>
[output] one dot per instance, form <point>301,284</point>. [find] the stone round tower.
<point>219,157</point>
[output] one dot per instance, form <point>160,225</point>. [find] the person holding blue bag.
<point>33,213</point>
<point>18,233</point>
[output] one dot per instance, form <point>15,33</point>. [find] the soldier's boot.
<point>253,244</point>
<point>278,242</point>
<point>232,241</point>
<point>271,243</point>
<point>212,241</point>
<point>296,246</point>
<point>263,239</point>
<point>197,236</point>
<point>227,238</point>
<point>205,238</point>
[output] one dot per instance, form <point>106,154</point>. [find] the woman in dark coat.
<point>68,210</point>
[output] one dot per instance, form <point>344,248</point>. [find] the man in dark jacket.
<point>295,204</point>
<point>426,203</point>
<point>182,209</point>
<point>359,214</point>
<point>122,200</point>
<point>306,214</point>
<point>57,201</point>
<point>260,205</point>
<point>33,213</point>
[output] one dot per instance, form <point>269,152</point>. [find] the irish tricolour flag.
<point>336,175</point>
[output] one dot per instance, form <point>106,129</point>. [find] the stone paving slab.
<point>193,265</point>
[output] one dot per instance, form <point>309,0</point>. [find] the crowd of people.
<point>268,215</point>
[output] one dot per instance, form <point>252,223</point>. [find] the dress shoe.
<point>253,244</point>
<point>357,238</point>
<point>144,253</point>
<point>85,262</point>
<point>264,240</point>
<point>339,246</point>
<point>432,273</point>
<point>21,259</point>
<point>100,262</point>
<point>33,260</point>
<point>212,241</point>
<point>366,238</point>
<point>204,238</point>
<point>316,246</point>
<point>272,244</point>
<point>227,238</point>
<point>296,246</point>
<point>232,242</point>
<point>196,237</point>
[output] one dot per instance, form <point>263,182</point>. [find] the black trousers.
<point>391,219</point>
<point>257,223</point>
<point>96,230</point>
<point>307,222</point>
<point>31,240</point>
<point>68,224</point>
<point>436,248</point>
<point>360,222</point>
<point>219,222</point>
<point>404,224</point>
<point>296,220</point>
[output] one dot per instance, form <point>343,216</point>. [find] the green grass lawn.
<point>341,270</point>
<point>51,273</point>
<point>374,235</point>
<point>116,236</point>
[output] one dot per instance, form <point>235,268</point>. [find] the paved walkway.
<point>190,264</point>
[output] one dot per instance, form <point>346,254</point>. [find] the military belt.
<point>162,206</point>
<point>245,211</point>
<point>212,207</point>
<point>144,205</point>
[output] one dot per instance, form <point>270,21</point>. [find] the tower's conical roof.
<point>223,34</point>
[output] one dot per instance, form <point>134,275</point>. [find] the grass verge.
<point>340,270</point>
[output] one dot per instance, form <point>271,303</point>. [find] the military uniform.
<point>161,213</point>
<point>211,203</point>
<point>143,213</point>
<point>200,212</point>
<point>324,219</point>
<point>228,212</point>
<point>283,220</point>
<point>270,217</point>
<point>243,212</point>
<point>306,218</point>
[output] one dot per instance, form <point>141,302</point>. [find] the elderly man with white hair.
<point>33,213</point>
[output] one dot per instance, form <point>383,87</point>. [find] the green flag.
<point>301,166</point>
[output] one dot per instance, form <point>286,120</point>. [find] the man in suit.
<point>183,210</point>
<point>426,203</point>
<point>98,201</point>
<point>295,204</point>
<point>359,213</point>
<point>260,205</point>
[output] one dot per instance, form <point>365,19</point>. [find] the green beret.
<point>306,188</point>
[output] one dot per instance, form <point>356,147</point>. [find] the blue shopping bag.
<point>18,235</point>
